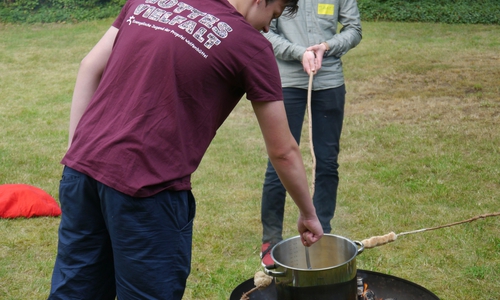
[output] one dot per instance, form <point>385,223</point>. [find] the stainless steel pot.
<point>332,260</point>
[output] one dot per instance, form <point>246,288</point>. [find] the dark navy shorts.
<point>114,245</point>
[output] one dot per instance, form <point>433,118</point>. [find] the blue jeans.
<point>327,108</point>
<point>111,244</point>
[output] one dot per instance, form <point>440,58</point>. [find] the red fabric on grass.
<point>22,200</point>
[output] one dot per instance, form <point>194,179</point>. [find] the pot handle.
<point>272,273</point>
<point>361,247</point>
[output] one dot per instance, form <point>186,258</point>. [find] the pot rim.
<point>358,251</point>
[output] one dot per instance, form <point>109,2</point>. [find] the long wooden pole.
<point>391,237</point>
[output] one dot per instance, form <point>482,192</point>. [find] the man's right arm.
<point>284,154</point>
<point>88,78</point>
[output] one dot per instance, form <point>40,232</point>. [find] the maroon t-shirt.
<point>176,71</point>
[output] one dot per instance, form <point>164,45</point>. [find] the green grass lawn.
<point>420,148</point>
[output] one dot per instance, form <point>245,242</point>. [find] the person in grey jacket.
<point>310,42</point>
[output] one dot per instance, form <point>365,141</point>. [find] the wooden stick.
<point>246,296</point>
<point>452,224</point>
<point>391,237</point>
<point>311,145</point>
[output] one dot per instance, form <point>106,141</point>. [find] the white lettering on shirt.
<point>205,28</point>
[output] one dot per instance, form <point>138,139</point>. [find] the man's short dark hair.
<point>291,6</point>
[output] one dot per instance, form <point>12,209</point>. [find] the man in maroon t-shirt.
<point>148,100</point>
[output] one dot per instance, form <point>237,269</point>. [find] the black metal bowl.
<point>384,286</point>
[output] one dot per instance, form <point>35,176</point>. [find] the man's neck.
<point>242,6</point>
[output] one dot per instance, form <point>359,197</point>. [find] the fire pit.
<point>371,286</point>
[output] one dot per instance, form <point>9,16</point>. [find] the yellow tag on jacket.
<point>325,9</point>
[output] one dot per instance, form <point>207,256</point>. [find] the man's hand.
<point>310,230</point>
<point>318,50</point>
<point>309,62</point>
